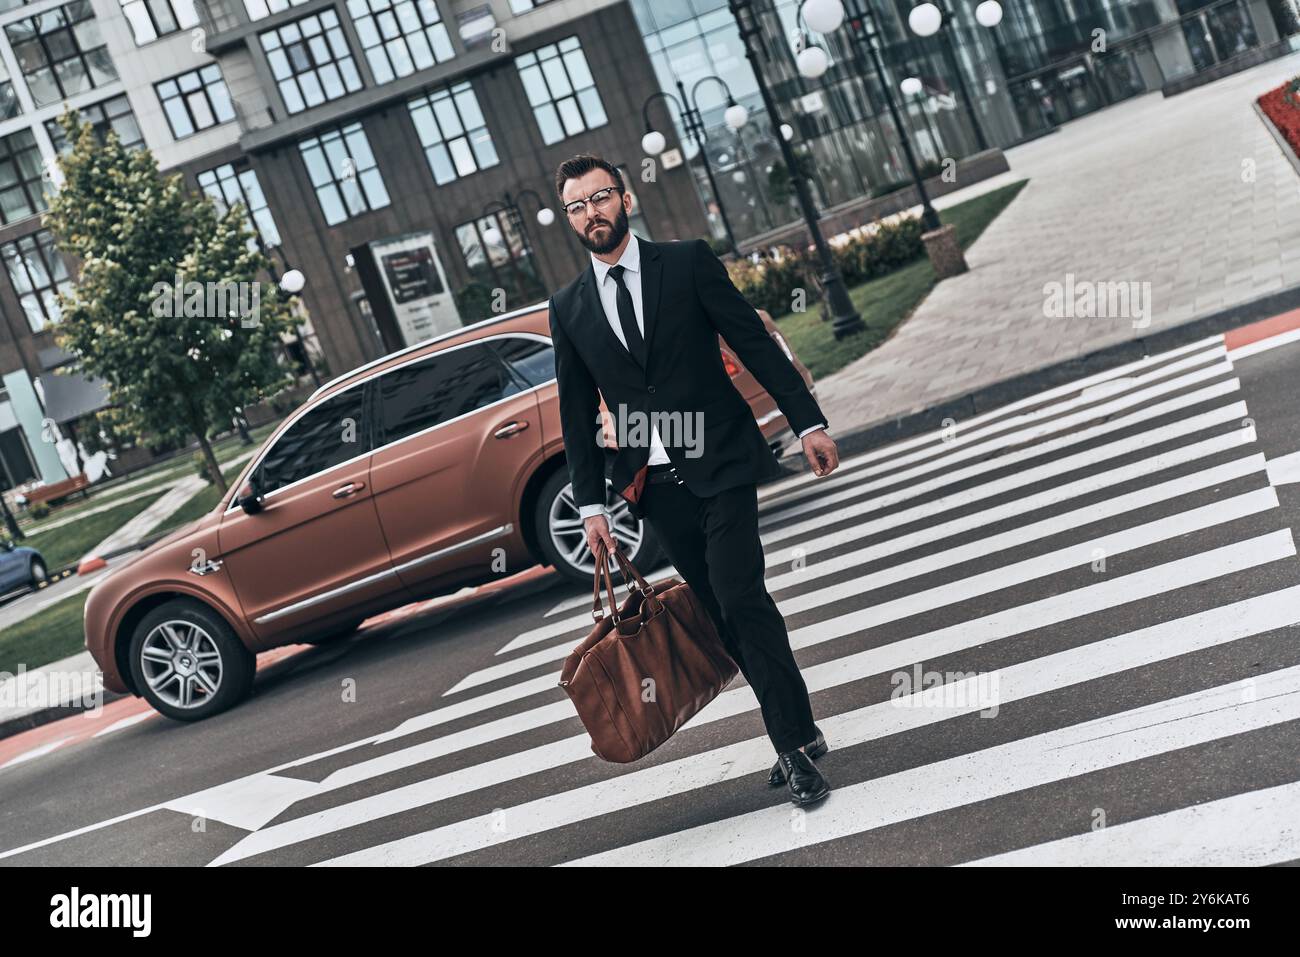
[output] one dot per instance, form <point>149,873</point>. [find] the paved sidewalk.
<point>1149,191</point>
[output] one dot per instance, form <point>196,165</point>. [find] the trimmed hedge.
<point>863,253</point>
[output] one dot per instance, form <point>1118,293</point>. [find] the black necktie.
<point>627,318</point>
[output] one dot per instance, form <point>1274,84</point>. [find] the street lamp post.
<point>291,282</point>
<point>509,204</point>
<point>862,34</point>
<point>844,318</point>
<point>913,87</point>
<point>928,18</point>
<point>654,142</point>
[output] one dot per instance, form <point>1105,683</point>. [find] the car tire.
<point>185,688</point>
<point>559,538</point>
<point>38,573</point>
<point>337,633</point>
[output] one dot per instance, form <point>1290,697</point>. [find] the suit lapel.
<point>651,279</point>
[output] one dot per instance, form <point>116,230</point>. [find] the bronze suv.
<point>430,469</point>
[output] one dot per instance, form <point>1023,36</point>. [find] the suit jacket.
<point>687,301</point>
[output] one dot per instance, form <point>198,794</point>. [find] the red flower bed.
<point>1282,106</point>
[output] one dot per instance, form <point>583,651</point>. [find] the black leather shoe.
<point>807,786</point>
<point>815,750</point>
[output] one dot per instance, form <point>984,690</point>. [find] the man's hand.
<point>598,531</point>
<point>819,449</point>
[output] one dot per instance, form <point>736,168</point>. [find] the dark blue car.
<point>19,566</point>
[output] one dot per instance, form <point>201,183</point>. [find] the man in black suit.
<point>641,325</point>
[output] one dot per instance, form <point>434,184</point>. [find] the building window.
<point>311,61</point>
<point>151,19</point>
<point>228,185</point>
<point>22,191</point>
<point>344,173</point>
<point>9,105</point>
<point>505,262</point>
<point>523,6</point>
<point>400,36</point>
<point>61,52</point>
<point>195,100</point>
<point>561,90</point>
<point>111,114</point>
<point>261,9</point>
<point>38,274</point>
<point>453,133</point>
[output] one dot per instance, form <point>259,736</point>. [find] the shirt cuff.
<point>813,429</point>
<point>587,511</point>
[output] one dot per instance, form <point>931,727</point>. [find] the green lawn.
<point>885,302</point>
<point>65,545</point>
<point>50,635</point>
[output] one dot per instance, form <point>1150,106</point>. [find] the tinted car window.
<point>534,361</point>
<point>326,435</point>
<point>424,394</point>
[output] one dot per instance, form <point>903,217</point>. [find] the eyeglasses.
<point>599,200</point>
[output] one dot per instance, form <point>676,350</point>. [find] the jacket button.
<point>650,389</point>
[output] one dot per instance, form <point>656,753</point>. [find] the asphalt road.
<point>1104,576</point>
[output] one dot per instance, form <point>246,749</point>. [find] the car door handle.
<point>509,429</point>
<point>350,489</point>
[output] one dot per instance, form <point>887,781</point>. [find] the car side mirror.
<point>250,498</point>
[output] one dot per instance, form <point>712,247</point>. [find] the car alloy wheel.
<point>181,664</point>
<point>38,573</point>
<point>570,538</point>
<point>562,541</point>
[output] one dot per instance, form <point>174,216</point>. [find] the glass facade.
<point>1036,69</point>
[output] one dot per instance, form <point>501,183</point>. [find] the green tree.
<point>169,309</point>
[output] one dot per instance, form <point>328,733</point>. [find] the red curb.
<point>92,564</point>
<point>1265,329</point>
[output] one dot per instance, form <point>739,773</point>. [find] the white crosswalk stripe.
<point>1099,578</point>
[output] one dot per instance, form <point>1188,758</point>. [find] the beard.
<point>617,230</point>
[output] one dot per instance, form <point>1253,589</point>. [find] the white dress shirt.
<point>608,289</point>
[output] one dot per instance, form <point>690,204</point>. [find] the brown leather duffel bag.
<point>645,670</point>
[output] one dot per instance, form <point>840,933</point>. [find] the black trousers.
<point>714,543</point>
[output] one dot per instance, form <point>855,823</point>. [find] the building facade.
<point>397,153</point>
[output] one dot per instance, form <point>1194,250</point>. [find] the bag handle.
<point>630,574</point>
<point>602,568</point>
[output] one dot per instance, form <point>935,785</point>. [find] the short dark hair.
<point>581,165</point>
